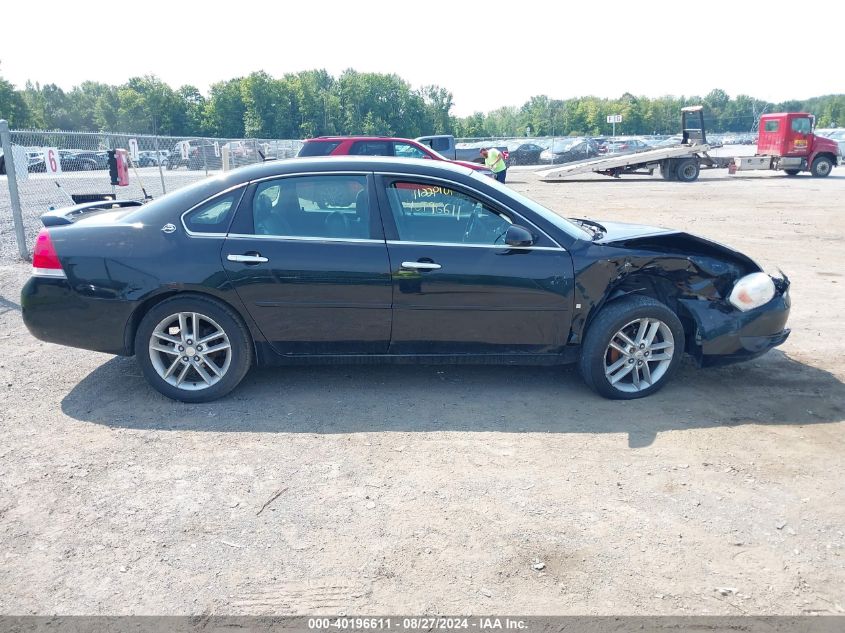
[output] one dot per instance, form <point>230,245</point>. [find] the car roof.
<point>411,166</point>
<point>356,138</point>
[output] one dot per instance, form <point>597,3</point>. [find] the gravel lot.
<point>449,490</point>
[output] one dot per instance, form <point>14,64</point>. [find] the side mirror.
<point>518,236</point>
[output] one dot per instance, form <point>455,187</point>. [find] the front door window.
<point>440,215</point>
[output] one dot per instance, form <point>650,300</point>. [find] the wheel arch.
<point>653,285</point>
<point>823,154</point>
<point>150,302</point>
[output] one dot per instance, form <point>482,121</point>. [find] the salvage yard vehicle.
<point>786,142</point>
<point>446,145</point>
<point>431,262</point>
<point>379,146</point>
<point>201,155</point>
<point>568,150</point>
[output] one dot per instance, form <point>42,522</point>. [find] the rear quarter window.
<point>318,148</point>
<point>213,216</point>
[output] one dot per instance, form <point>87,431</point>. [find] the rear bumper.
<point>726,335</point>
<point>53,312</point>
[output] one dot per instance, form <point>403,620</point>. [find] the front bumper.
<point>725,335</point>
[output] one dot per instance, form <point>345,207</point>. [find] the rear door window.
<point>334,207</point>
<point>318,148</point>
<point>371,148</point>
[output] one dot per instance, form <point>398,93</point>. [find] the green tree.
<point>149,105</point>
<point>225,109</point>
<point>13,107</point>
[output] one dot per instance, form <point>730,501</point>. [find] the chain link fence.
<point>51,167</point>
<point>54,166</point>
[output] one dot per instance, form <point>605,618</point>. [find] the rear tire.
<point>821,167</point>
<point>791,172</point>
<point>687,170</point>
<point>643,324</point>
<point>193,348</point>
<point>667,170</point>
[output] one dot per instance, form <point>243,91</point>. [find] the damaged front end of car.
<point>730,309</point>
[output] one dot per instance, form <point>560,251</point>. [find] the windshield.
<point>547,214</point>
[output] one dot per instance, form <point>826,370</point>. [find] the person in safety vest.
<point>495,160</point>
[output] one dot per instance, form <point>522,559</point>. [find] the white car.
<point>839,137</point>
<point>147,158</point>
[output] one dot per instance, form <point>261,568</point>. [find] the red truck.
<point>787,142</point>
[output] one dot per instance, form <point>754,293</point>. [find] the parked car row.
<point>70,160</point>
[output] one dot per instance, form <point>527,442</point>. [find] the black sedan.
<point>524,153</point>
<point>568,150</point>
<point>429,262</point>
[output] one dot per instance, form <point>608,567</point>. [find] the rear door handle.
<point>247,259</point>
<point>421,265</point>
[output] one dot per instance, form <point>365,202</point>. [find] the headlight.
<point>752,291</point>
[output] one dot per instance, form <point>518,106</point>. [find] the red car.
<point>378,146</point>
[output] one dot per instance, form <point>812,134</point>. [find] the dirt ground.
<point>410,490</point>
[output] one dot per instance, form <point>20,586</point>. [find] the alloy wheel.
<point>190,351</point>
<point>639,355</point>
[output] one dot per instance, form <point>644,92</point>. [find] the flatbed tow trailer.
<point>786,143</point>
<point>682,162</point>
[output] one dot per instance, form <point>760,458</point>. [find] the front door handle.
<point>247,259</point>
<point>421,265</point>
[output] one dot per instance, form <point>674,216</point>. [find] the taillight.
<point>45,261</point>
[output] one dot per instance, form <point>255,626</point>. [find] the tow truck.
<point>786,142</point>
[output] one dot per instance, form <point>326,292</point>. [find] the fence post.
<point>14,196</point>
<point>158,162</point>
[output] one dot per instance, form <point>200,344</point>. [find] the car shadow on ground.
<point>773,390</point>
<point>8,306</point>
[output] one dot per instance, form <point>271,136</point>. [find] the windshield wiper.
<point>597,229</point>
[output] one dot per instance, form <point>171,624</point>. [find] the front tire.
<point>193,348</point>
<point>821,167</point>
<point>632,348</point>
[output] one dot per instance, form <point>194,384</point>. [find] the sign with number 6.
<point>52,161</point>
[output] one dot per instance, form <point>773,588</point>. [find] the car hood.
<point>623,230</point>
<point>466,163</point>
<point>670,241</point>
